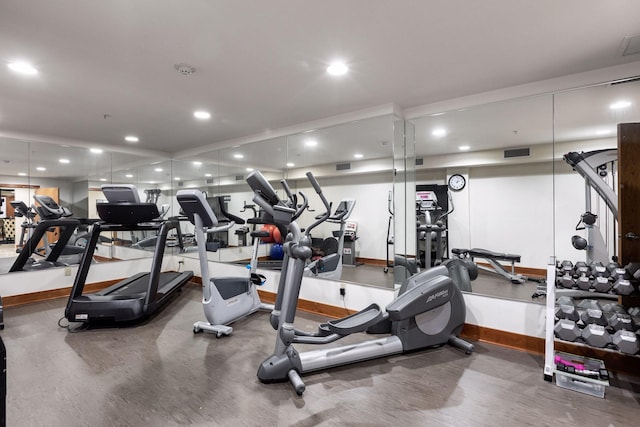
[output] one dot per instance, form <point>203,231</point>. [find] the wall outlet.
<point>67,271</point>
<point>343,289</point>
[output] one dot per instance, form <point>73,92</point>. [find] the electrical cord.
<point>82,327</point>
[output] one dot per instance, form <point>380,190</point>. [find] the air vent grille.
<point>343,166</point>
<point>516,152</point>
<point>630,45</point>
<point>209,181</point>
<point>239,177</point>
<point>419,161</point>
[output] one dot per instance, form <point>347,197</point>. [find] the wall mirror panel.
<point>484,181</point>
<point>353,163</point>
<point>588,229</point>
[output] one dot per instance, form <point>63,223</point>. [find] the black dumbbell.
<point>593,316</point>
<point>633,311</point>
<point>621,321</point>
<point>602,284</point>
<point>626,341</point>
<point>584,283</point>
<point>569,312</point>
<point>623,286</point>
<point>565,300</point>
<point>567,330</point>
<point>596,336</point>
<point>590,303</point>
<point>566,281</point>
<point>581,268</point>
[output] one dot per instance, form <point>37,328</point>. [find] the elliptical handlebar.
<point>326,203</point>
<point>301,207</point>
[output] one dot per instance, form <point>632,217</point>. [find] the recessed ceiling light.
<point>436,114</point>
<point>619,105</point>
<point>249,169</point>
<point>603,132</point>
<point>464,148</point>
<point>177,178</point>
<point>208,175</point>
<point>41,169</point>
<point>196,163</point>
<point>23,68</point>
<point>311,143</point>
<point>65,161</point>
<point>238,156</point>
<point>290,165</point>
<point>96,150</point>
<point>158,169</point>
<point>309,131</point>
<point>337,69</point>
<point>22,174</point>
<point>129,175</point>
<point>358,156</point>
<point>439,132</point>
<point>202,115</point>
<point>103,179</point>
<point>131,138</point>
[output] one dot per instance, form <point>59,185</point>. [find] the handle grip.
<point>286,189</point>
<point>314,183</point>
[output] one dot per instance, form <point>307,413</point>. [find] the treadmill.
<point>136,297</point>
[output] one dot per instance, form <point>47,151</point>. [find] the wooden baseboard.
<point>614,361</point>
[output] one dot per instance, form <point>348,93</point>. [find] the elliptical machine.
<point>225,299</point>
<point>429,310</point>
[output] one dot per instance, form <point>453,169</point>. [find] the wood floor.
<point>161,374</point>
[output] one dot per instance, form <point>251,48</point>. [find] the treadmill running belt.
<point>137,285</point>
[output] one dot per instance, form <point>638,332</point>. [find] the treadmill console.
<point>49,208</point>
<point>124,207</point>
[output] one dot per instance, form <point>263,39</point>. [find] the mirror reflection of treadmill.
<point>136,297</point>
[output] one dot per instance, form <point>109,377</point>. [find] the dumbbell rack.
<point>550,339</point>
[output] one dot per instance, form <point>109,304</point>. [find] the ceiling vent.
<point>630,45</point>
<point>419,161</point>
<point>239,177</point>
<point>209,181</point>
<point>343,166</point>
<point>516,152</point>
<point>184,69</point>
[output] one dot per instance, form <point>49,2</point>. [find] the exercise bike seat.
<point>484,253</point>
<point>357,322</point>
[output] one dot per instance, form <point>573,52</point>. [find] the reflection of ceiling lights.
<point>249,169</point>
<point>619,105</point>
<point>290,165</point>
<point>337,69</point>
<point>96,150</point>
<point>238,156</point>
<point>464,148</point>
<point>439,132</point>
<point>436,114</point>
<point>603,132</point>
<point>41,169</point>
<point>196,163</point>
<point>311,143</point>
<point>103,179</point>
<point>202,115</point>
<point>309,131</point>
<point>208,175</point>
<point>23,68</point>
<point>129,175</point>
<point>22,174</point>
<point>358,156</point>
<point>177,178</point>
<point>131,138</point>
<point>158,169</point>
<point>64,161</point>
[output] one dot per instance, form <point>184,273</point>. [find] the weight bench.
<point>492,259</point>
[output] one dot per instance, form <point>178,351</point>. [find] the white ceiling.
<point>260,65</point>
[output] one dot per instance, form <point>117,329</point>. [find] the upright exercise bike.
<point>225,299</point>
<point>429,310</point>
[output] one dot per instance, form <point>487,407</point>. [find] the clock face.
<point>457,182</point>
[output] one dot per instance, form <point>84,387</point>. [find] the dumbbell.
<point>593,316</point>
<point>581,267</point>
<point>611,267</point>
<point>567,330</point>
<point>619,273</point>
<point>626,341</point>
<point>633,269</point>
<point>584,283</point>
<point>602,284</point>
<point>622,321</point>
<point>623,286</point>
<point>566,281</point>
<point>596,336</point>
<point>565,300</point>
<point>614,307</point>
<point>590,303</point>
<point>633,311</point>
<point>568,312</point>
<point>566,267</point>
